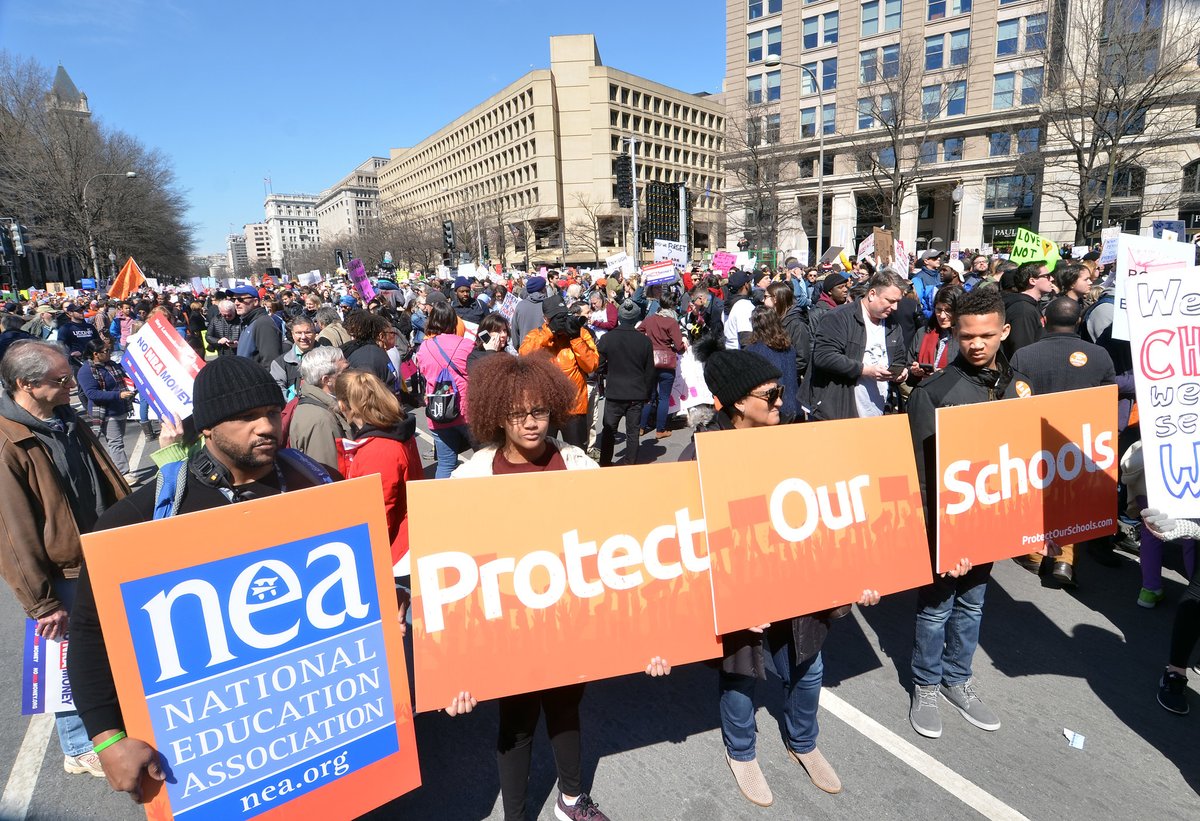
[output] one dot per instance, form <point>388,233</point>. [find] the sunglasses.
<point>62,381</point>
<point>770,396</point>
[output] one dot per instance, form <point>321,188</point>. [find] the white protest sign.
<point>615,262</point>
<point>1164,324</point>
<point>955,247</point>
<point>163,367</point>
<point>152,283</point>
<point>866,247</point>
<point>1169,235</point>
<point>676,252</point>
<point>467,269</point>
<point>1108,248</point>
<point>45,686</point>
<point>831,253</point>
<point>310,278</point>
<point>1138,256</point>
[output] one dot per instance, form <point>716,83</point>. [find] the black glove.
<point>575,325</point>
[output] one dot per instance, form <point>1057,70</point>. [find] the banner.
<point>660,273</point>
<point>45,687</point>
<point>358,276</point>
<point>267,670</point>
<point>163,367</point>
<point>723,261</point>
<point>1164,324</point>
<point>1029,246</point>
<point>797,535</point>
<point>1138,256</point>
<point>676,252</point>
<point>533,595</point>
<point>311,278</point>
<point>1012,474</point>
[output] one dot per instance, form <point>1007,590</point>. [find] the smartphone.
<point>485,337</point>
<point>897,369</point>
<point>926,368</point>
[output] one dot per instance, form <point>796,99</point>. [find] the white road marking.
<point>964,790</point>
<point>18,792</point>
<point>135,456</point>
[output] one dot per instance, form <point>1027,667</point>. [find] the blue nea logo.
<point>199,621</point>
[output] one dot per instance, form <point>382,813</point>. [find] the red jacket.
<point>393,455</point>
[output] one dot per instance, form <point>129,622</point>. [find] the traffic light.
<point>486,255</point>
<point>17,233</point>
<point>624,181</point>
<point>448,234</point>
<point>339,258</point>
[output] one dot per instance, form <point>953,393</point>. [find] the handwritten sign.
<point>676,252</point>
<point>362,284</point>
<point>1139,256</point>
<point>1164,323</point>
<point>723,261</point>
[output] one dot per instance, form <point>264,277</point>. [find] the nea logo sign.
<point>246,608</point>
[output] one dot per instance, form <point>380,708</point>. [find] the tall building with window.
<point>531,171</point>
<point>258,244</point>
<point>236,258</point>
<point>347,208</point>
<point>942,117</point>
<point>291,224</point>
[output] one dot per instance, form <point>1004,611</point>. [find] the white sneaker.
<point>89,763</point>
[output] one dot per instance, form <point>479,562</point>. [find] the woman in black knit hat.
<point>748,395</point>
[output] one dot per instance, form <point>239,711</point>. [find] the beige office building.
<point>291,224</point>
<point>347,208</point>
<point>258,244</point>
<point>538,157</point>
<point>970,74</point>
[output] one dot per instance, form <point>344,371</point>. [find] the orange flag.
<point>129,280</point>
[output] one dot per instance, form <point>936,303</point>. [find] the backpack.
<point>289,410</point>
<point>443,403</point>
<point>1105,299</point>
<point>172,480</point>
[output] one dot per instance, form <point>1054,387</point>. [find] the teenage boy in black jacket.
<point>949,610</point>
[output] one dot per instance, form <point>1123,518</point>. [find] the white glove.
<point>1169,529</point>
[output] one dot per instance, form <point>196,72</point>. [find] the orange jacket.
<point>576,360</point>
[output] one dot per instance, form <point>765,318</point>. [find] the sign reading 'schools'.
<point>269,675</point>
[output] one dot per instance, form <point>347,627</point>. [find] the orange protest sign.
<point>533,594</point>
<point>266,667</point>
<point>1012,474</point>
<point>802,518</point>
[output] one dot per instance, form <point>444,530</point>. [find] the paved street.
<point>1048,660</point>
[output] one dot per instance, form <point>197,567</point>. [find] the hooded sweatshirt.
<point>79,475</point>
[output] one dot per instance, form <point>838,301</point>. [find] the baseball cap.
<point>244,290</point>
<point>738,280</point>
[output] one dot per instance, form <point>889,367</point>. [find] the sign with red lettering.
<point>797,535</point>
<point>1164,321</point>
<point>536,595</point>
<point>1012,474</point>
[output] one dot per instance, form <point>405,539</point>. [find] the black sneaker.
<point>584,809</point>
<point>1172,693</point>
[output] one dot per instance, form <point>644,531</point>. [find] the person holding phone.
<point>858,354</point>
<point>931,347</point>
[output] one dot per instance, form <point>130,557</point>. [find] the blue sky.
<point>304,91</point>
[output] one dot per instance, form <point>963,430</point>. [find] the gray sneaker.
<point>966,699</point>
<point>923,714</point>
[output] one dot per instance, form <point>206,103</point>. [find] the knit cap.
<point>231,385</point>
<point>629,313</point>
<point>731,375</point>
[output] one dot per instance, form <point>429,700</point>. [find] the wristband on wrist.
<point>108,742</point>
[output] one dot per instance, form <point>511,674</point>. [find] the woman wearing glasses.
<point>748,395</point>
<point>514,401</point>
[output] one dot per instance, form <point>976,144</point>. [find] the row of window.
<point>657,128</point>
<point>665,108</point>
<point>485,124</point>
<point>647,149</point>
<point>935,9</point>
<point>1010,89</point>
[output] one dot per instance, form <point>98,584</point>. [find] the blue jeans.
<point>949,612</point>
<point>801,693</point>
<point>660,400</point>
<point>143,406</point>
<point>447,444</point>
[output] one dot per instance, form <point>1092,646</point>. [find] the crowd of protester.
<point>524,373</point>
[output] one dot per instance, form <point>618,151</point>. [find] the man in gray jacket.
<point>528,315</point>
<point>317,423</point>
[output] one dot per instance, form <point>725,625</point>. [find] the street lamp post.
<point>774,61</point>
<point>88,217</point>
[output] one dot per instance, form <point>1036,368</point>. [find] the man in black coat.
<point>627,366</point>
<point>857,352</point>
<point>1023,309</point>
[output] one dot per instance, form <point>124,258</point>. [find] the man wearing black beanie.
<point>237,407</point>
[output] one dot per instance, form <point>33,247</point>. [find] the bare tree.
<point>903,104</point>
<point>584,229</point>
<point>1122,83</point>
<point>48,156</point>
<point>760,176</point>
